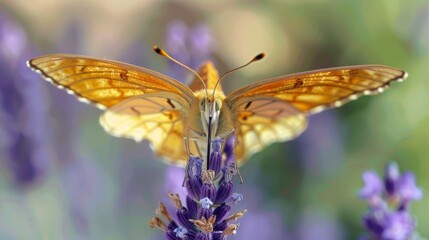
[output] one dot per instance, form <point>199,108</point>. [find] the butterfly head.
<point>210,109</point>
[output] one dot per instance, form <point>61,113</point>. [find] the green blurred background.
<point>85,184</point>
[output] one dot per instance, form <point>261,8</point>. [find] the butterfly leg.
<point>188,153</point>
<point>236,169</point>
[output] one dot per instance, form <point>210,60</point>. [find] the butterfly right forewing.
<point>296,96</point>
<point>316,90</point>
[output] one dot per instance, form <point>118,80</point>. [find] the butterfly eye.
<point>202,104</point>
<point>218,104</point>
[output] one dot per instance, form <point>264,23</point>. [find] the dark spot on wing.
<point>170,114</point>
<point>355,71</point>
<point>137,112</point>
<point>245,115</point>
<point>124,76</point>
<point>299,82</point>
<point>171,104</point>
<point>342,78</point>
<point>247,105</point>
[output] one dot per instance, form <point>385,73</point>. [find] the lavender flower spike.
<point>388,217</point>
<point>208,202</point>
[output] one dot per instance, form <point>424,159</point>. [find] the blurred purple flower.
<point>388,201</point>
<point>373,187</point>
<point>315,224</point>
<point>208,202</point>
<point>23,111</point>
<point>189,46</point>
<point>407,189</point>
<point>273,226</point>
<point>323,158</point>
<point>390,179</point>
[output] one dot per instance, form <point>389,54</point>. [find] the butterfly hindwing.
<point>260,121</point>
<point>157,117</point>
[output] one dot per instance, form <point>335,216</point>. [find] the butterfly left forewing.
<point>103,82</point>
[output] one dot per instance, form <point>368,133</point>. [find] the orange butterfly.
<point>143,104</point>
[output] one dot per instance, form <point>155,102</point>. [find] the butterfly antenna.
<point>165,54</point>
<point>255,59</point>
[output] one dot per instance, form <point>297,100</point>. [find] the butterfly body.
<point>176,119</point>
<point>213,112</point>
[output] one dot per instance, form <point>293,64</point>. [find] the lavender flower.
<point>210,194</point>
<point>191,46</point>
<point>208,202</point>
<point>389,199</point>
<point>25,141</point>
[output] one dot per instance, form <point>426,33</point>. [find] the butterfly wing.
<point>316,90</point>
<point>262,120</point>
<point>142,104</point>
<point>103,82</point>
<point>308,93</point>
<point>157,117</point>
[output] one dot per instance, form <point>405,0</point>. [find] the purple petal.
<point>195,167</point>
<point>183,217</point>
<point>221,212</point>
<point>407,188</point>
<point>177,32</point>
<point>229,150</point>
<point>202,236</point>
<point>224,192</point>
<point>234,199</point>
<point>398,226</point>
<point>208,190</point>
<point>194,187</point>
<point>373,185</point>
<point>205,212</point>
<point>201,40</point>
<point>171,235</point>
<point>192,206</point>
<point>220,226</point>
<point>219,236</point>
<point>374,223</point>
<point>215,162</point>
<point>216,156</point>
<point>180,232</point>
<point>391,178</point>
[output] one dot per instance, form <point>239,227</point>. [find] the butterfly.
<point>142,104</point>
